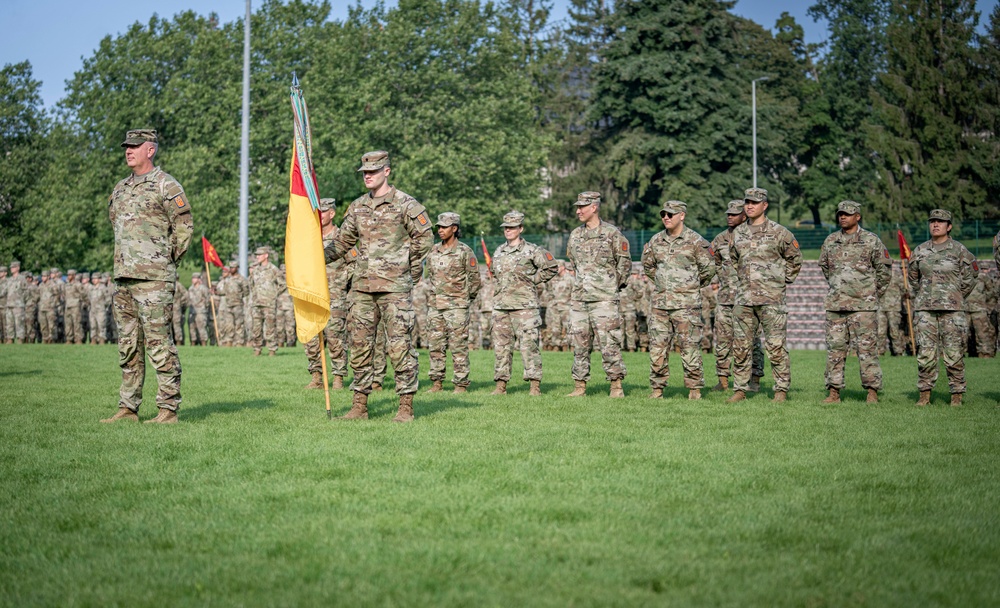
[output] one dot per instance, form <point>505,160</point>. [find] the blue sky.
<point>54,35</point>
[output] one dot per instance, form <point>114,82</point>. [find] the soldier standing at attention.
<point>152,223</point>
<point>679,263</point>
<point>16,289</point>
<point>224,319</point>
<point>98,307</point>
<point>3,304</point>
<point>767,260</point>
<point>603,264</point>
<point>518,266</point>
<point>858,268</point>
<point>48,306</point>
<point>338,279</point>
<point>889,316</point>
<point>236,301</point>
<point>180,307</point>
<point>31,310</point>
<point>265,283</point>
<point>453,280</point>
<point>979,304</point>
<point>73,302</point>
<point>198,307</point>
<point>387,234</point>
<point>943,273</point>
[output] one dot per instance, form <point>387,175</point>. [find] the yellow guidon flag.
<point>305,264</point>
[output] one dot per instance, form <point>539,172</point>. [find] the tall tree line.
<point>489,106</point>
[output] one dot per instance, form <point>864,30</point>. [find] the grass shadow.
<point>224,407</point>
<point>30,372</point>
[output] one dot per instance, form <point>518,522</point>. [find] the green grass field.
<point>256,499</point>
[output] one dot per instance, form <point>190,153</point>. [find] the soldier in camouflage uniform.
<point>679,263</point>
<point>237,293</point>
<point>858,268</point>
<point>767,260</point>
<point>726,301</point>
<point>890,317</point>
<point>31,310</point>
<point>603,264</point>
<point>942,273</point>
<point>198,310</point>
<point>518,266</point>
<point>708,304</point>
<point>180,307</point>
<point>338,279</point>
<point>628,306</point>
<point>3,304</point>
<point>979,304</point>
<point>224,318</point>
<point>486,308</point>
<point>285,312</point>
<point>16,289</point>
<point>152,224</point>
<point>73,297</point>
<point>98,300</point>
<point>48,306</point>
<point>453,280</point>
<point>265,284</point>
<point>388,234</point>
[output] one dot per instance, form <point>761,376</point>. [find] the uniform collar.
<point>374,202</point>
<point>134,179</point>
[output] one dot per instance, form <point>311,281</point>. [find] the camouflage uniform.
<point>16,289</point>
<point>517,269</point>
<point>941,276</point>
<point>198,305</point>
<point>708,303</point>
<point>98,300</point>
<point>31,312</point>
<point>421,308</point>
<point>338,279</point>
<point>3,303</point>
<point>387,238</point>
<point>152,224</point>
<point>767,259</point>
<point>48,307</point>
<point>286,312</point>
<point>979,304</point>
<point>631,296</point>
<point>603,265</point>
<point>73,297</point>
<point>177,317</point>
<point>858,268</point>
<point>678,267</point>
<point>265,284</point>
<point>231,307</point>
<point>453,279</point>
<point>890,317</point>
<point>486,308</point>
<point>560,289</point>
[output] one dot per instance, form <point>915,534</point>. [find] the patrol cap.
<point>54,271</point>
<point>70,271</point>
<point>3,269</point>
<point>15,264</point>
<point>105,275</point>
<point>137,137</point>
<point>195,275</point>
<point>327,204</point>
<point>373,161</point>
<point>449,218</point>
<point>587,198</point>
<point>262,251</point>
<point>735,207</point>
<point>45,273</point>
<point>848,207</point>
<point>940,214</point>
<point>756,195</point>
<point>512,220</point>
<point>29,274</point>
<point>673,207</point>
<point>85,276</point>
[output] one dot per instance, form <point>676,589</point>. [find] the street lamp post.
<point>753,95</point>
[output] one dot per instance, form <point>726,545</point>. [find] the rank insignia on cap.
<point>548,256</point>
<point>422,219</point>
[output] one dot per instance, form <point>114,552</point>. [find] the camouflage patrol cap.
<point>587,198</point>
<point>54,271</point>
<point>70,271</point>
<point>262,251</point>
<point>940,214</point>
<point>512,220</point>
<point>327,204</point>
<point>373,161</point>
<point>84,276</point>
<point>15,264</point>
<point>735,207</point>
<point>45,273</point>
<point>28,274</point>
<point>105,275</point>
<point>137,137</point>
<point>756,195</point>
<point>449,218</point>
<point>848,207</point>
<point>3,269</point>
<point>195,275</point>
<point>673,207</point>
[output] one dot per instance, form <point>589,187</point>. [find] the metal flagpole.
<point>245,150</point>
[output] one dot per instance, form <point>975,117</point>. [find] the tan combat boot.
<point>338,382</point>
<point>460,389</point>
<point>536,388</point>
<point>872,396</point>
<point>272,353</point>
<point>780,396</point>
<point>123,413</point>
<point>165,416</point>
<point>656,394</point>
<point>616,389</point>
<point>722,385</point>
<point>925,399</point>
<point>579,390</point>
<point>359,408</point>
<point>754,384</point>
<point>405,413</point>
<point>256,352</point>
<point>956,400</point>
<point>737,396</point>
<point>834,396</point>
<point>694,394</point>
<point>317,381</point>
<point>437,387</point>
<point>376,386</point>
<point>501,388</point>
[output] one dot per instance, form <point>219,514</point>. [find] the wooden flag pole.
<point>211,302</point>
<point>909,313</point>
<point>326,383</point>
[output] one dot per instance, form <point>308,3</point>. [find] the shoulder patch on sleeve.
<point>885,253</point>
<point>472,262</point>
<point>548,256</point>
<point>975,265</point>
<point>422,218</point>
<point>711,251</point>
<point>181,201</point>
<point>795,243</point>
<point>624,245</point>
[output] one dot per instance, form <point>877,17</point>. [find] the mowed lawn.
<point>256,499</point>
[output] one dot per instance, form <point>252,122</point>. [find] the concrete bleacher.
<point>806,314</point>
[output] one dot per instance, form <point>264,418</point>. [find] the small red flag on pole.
<point>211,255</point>
<point>904,255</point>
<point>486,254</point>
<point>904,249</point>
